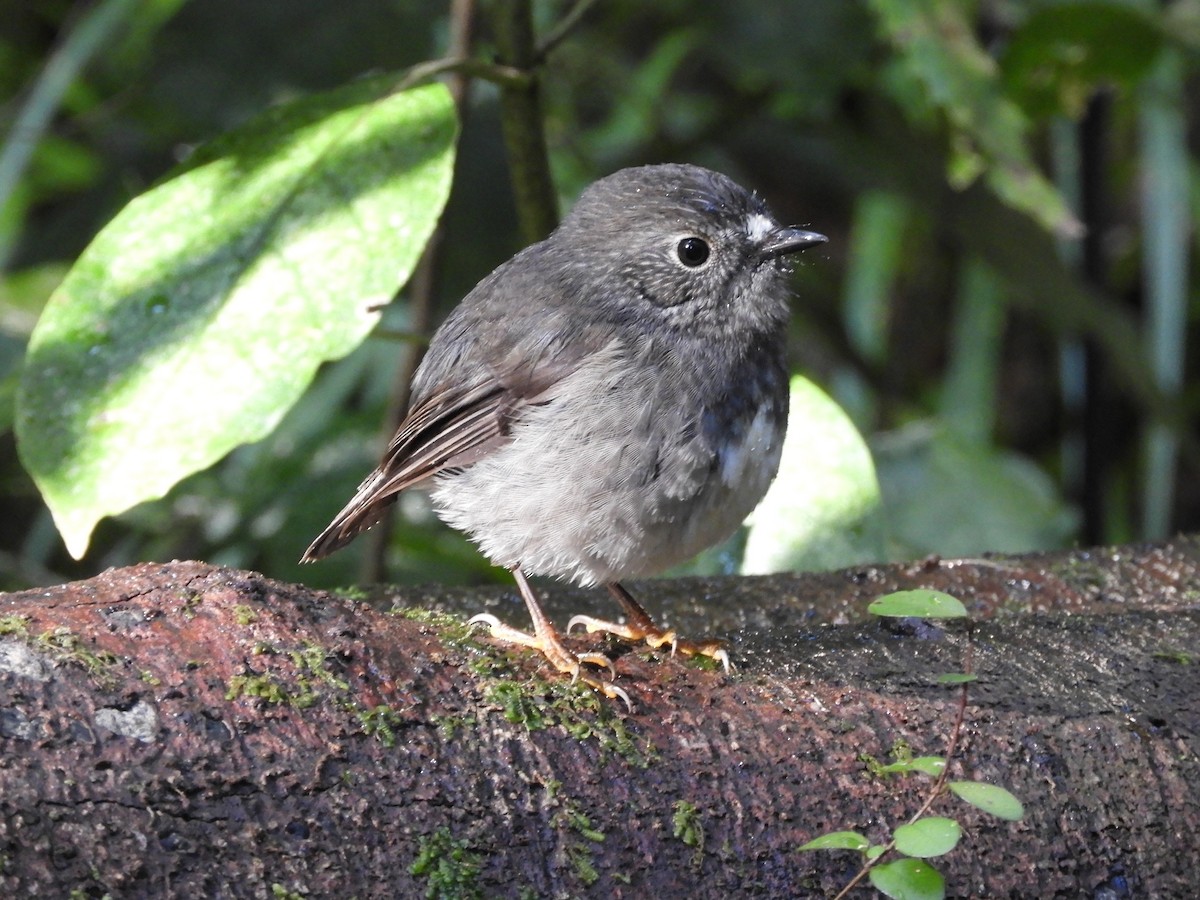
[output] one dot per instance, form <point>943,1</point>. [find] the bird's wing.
<point>452,427</point>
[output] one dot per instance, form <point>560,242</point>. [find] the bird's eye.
<point>693,251</point>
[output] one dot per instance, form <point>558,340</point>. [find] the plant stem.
<point>939,784</point>
<point>521,119</point>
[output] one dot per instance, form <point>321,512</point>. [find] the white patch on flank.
<point>759,226</point>
<point>750,462</point>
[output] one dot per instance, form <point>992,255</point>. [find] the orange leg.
<point>640,627</point>
<point>546,640</point>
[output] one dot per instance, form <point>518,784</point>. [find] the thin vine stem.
<point>939,784</point>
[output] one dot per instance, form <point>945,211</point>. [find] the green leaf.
<point>919,603</point>
<point>948,496</point>
<point>823,510</point>
<point>838,840</point>
<point>931,836</point>
<point>198,316</point>
<point>908,879</point>
<point>940,66</point>
<point>1054,61</point>
<point>929,765</point>
<point>876,241</point>
<point>989,798</point>
<point>957,678</point>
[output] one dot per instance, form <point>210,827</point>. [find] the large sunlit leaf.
<point>823,511</point>
<point>197,317</point>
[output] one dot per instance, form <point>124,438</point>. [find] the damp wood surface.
<point>182,729</point>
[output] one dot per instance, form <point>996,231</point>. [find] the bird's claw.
<point>551,647</point>
<point>654,637</point>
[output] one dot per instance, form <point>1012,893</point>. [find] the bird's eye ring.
<point>693,251</point>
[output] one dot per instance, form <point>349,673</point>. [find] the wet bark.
<point>187,730</point>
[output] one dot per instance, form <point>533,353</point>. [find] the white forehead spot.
<point>759,226</point>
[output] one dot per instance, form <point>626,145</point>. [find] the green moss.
<point>63,646</point>
<point>448,726</point>
<point>448,866</point>
<point>453,630</point>
<point>379,722</point>
<point>702,662</point>
<point>901,753</point>
<point>579,853</point>
<point>261,687</point>
<point>244,615</point>
<point>282,893</point>
<point>311,679</point>
<point>14,625</point>
<point>311,660</point>
<point>581,823</point>
<point>582,863</point>
<point>1176,656</point>
<point>687,827</point>
<point>538,704</point>
<point>190,605</point>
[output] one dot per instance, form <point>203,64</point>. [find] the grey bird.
<point>609,402</point>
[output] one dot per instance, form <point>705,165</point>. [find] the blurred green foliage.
<point>981,168</point>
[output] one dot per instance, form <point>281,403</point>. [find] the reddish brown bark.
<point>188,730</point>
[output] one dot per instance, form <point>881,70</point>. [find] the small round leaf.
<point>957,678</point>
<point>919,603</point>
<point>989,798</point>
<point>838,840</point>
<point>909,879</point>
<point>929,765</point>
<point>931,836</point>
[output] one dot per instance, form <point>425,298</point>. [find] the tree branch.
<point>521,119</point>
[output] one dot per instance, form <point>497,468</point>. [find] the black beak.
<point>788,240</point>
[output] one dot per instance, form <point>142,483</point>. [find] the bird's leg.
<point>546,640</point>
<point>640,627</point>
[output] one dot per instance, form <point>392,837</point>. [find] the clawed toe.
<point>608,689</point>
<point>547,641</point>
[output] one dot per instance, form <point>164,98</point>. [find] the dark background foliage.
<point>997,350</point>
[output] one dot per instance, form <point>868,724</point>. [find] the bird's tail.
<point>365,509</point>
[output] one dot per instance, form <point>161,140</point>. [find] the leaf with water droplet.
<point>927,837</point>
<point>990,798</point>
<point>919,603</point>
<point>908,879</point>
<point>199,315</point>
<point>838,840</point>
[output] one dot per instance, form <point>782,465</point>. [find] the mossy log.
<point>186,730</point>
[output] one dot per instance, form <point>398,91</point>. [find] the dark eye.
<point>693,251</point>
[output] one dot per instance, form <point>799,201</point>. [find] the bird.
<point>606,404</point>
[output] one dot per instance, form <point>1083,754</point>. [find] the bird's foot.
<point>644,629</point>
<point>550,645</point>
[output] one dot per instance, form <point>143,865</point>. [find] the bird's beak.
<point>788,240</point>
